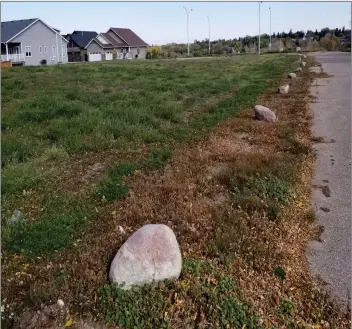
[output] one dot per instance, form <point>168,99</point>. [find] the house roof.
<point>131,38</point>
<point>11,28</point>
<point>99,43</point>
<point>113,41</point>
<point>82,38</point>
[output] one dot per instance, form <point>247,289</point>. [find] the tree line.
<point>328,39</point>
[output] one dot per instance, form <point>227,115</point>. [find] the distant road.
<point>331,258</point>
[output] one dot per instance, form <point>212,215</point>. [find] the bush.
<point>196,53</point>
<point>43,62</point>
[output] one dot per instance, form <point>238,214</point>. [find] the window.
<point>54,51</point>
<point>45,49</point>
<point>28,51</point>
<point>64,51</point>
<point>40,49</point>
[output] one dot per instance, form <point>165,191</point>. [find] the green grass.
<point>203,295</point>
<point>52,115</point>
<point>157,158</point>
<point>112,186</point>
<point>67,105</point>
<point>61,222</point>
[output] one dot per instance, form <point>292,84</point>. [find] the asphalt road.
<point>331,256</point>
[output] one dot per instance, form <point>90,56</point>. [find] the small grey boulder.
<point>292,75</point>
<point>303,64</point>
<point>284,89</point>
<point>262,113</point>
<point>298,69</point>
<point>149,255</point>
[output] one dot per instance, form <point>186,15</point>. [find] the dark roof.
<point>113,41</point>
<point>11,28</point>
<point>80,32</point>
<point>131,38</point>
<point>82,38</point>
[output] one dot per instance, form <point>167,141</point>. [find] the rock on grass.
<point>262,113</point>
<point>284,89</point>
<point>292,75</point>
<point>151,254</point>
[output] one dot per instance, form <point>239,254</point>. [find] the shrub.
<point>43,62</point>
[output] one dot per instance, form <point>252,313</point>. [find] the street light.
<point>187,12</point>
<point>209,33</point>
<point>259,29</point>
<point>270,29</point>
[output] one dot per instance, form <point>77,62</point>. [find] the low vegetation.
<point>155,105</point>
<point>170,142</point>
<point>202,297</point>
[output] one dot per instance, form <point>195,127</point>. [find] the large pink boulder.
<point>149,255</point>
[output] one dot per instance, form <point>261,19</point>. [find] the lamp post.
<point>187,13</point>
<point>270,29</point>
<point>209,33</point>
<point>259,29</point>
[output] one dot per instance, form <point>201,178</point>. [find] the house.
<point>30,41</point>
<point>123,42</point>
<point>78,40</point>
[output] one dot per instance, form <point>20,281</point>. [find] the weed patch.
<point>201,297</point>
<point>63,220</point>
<point>157,158</point>
<point>112,186</point>
<point>19,177</point>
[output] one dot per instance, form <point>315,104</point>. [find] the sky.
<point>165,22</point>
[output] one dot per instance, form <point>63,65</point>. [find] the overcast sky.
<point>163,22</point>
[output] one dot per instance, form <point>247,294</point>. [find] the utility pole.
<point>270,29</point>
<point>259,30</point>
<point>209,33</point>
<point>187,13</point>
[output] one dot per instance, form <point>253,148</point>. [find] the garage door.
<point>94,57</point>
<point>108,56</point>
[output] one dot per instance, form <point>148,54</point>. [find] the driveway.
<point>331,256</point>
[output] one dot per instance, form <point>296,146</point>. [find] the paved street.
<point>331,258</point>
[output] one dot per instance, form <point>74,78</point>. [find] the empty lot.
<point>89,149</point>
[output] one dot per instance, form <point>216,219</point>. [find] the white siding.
<point>39,35</point>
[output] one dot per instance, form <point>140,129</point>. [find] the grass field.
<point>87,148</point>
<point>55,114</point>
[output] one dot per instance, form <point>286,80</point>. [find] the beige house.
<point>116,43</point>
